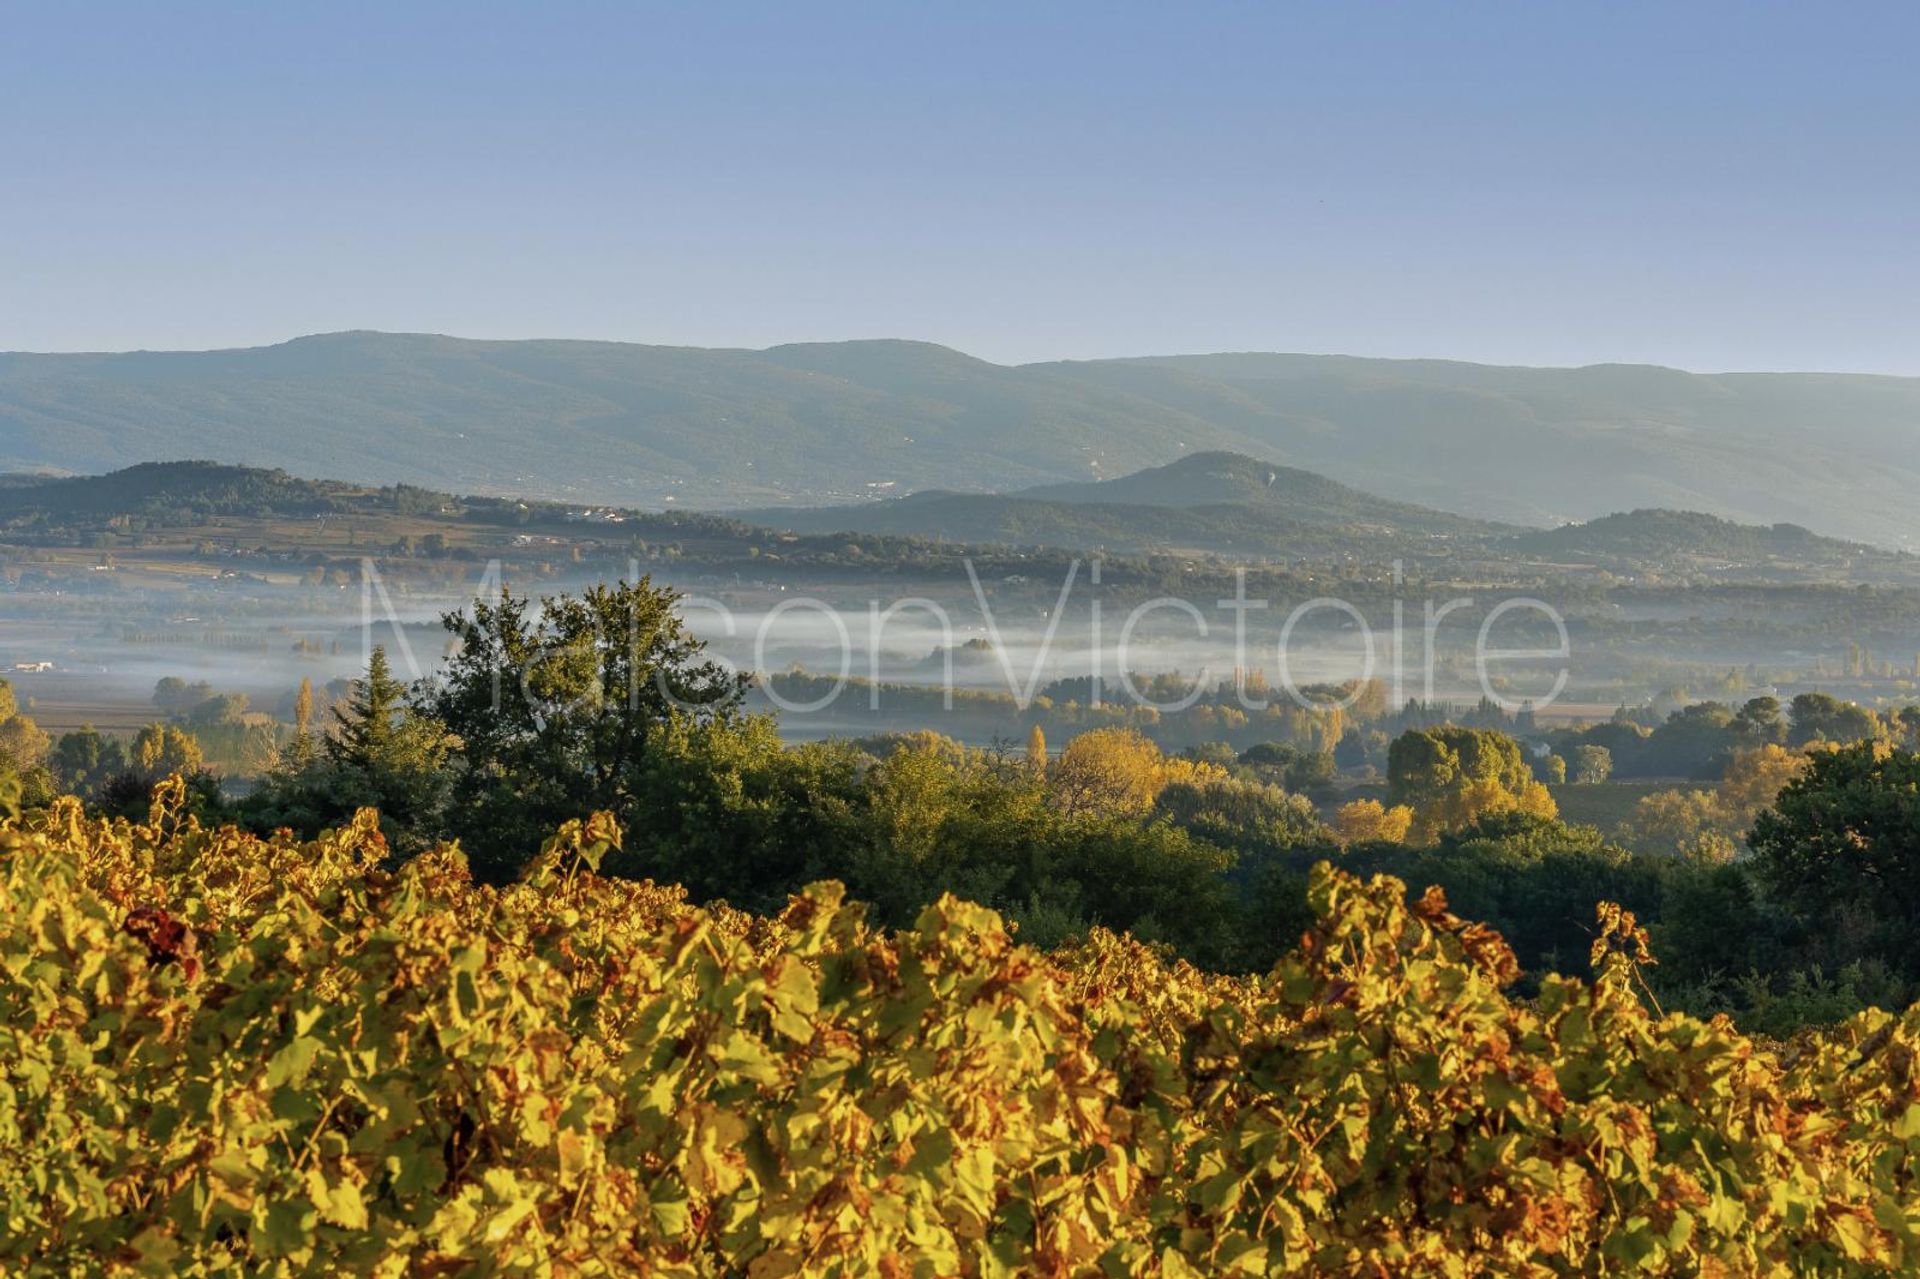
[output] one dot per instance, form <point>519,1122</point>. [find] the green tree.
<point>1760,722</point>
<point>728,813</point>
<point>1841,845</point>
<point>173,696</point>
<point>84,761</point>
<point>1246,816</point>
<point>1425,763</point>
<point>385,754</point>
<point>1300,771</point>
<point>1452,777</point>
<point>219,709</point>
<point>1591,765</point>
<point>365,726</point>
<point>1693,742</point>
<point>1819,717</point>
<point>555,712</point>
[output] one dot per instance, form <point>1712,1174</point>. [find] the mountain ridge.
<point>832,422</point>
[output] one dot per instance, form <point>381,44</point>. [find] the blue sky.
<point>1710,186</point>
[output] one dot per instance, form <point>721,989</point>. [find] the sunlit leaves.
<point>394,1072</point>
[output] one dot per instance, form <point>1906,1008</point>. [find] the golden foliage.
<point>1754,778</point>
<point>226,1055</point>
<point>1463,805</point>
<point>1362,820</point>
<point>1118,771</point>
<point>160,749</point>
<point>1704,824</point>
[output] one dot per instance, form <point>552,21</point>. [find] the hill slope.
<point>1832,451</point>
<point>1212,501</point>
<point>171,489</point>
<point>1655,534</point>
<point>1216,479</point>
<point>1281,515</point>
<point>833,422</point>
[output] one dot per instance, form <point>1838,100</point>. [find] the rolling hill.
<point>1209,501</point>
<point>171,490</point>
<point>835,422</point>
<point>1234,504</point>
<point>1652,535</point>
<point>1217,479</point>
<point>1264,513</point>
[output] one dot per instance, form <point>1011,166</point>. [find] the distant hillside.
<point>171,490</point>
<point>1832,451</point>
<point>1282,515</point>
<point>1656,534</point>
<point>590,421</point>
<point>986,518</point>
<point>1234,504</point>
<point>837,422</point>
<point>1221,479</point>
<point>1213,501</point>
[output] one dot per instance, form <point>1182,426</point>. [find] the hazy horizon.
<point>915,340</point>
<point>1713,187</point>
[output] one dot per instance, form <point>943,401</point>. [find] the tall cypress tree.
<point>364,731</point>
<point>385,753</point>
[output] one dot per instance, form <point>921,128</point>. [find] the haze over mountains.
<point>834,422</point>
<point>1211,502</point>
<point>1227,502</point>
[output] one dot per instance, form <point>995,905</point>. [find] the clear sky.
<point>1706,185</point>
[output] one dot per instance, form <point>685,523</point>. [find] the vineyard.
<point>221,1054</point>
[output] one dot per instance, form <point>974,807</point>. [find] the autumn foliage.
<point>1118,770</point>
<point>1359,821</point>
<point>227,1055</point>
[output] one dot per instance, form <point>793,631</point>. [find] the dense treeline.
<point>604,703</point>
<point>1700,739</point>
<point>168,493</point>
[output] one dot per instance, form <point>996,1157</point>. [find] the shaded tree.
<point>1820,717</point>
<point>1591,765</point>
<point>84,761</point>
<point>1841,846</point>
<point>556,710</point>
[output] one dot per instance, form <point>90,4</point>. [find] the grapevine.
<point>222,1054</point>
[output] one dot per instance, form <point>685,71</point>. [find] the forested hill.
<point>1241,506</point>
<point>1213,501</point>
<point>1653,534</point>
<point>1245,530</point>
<point>1263,513</point>
<point>173,490</point>
<point>1209,480</point>
<point>820,423</point>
